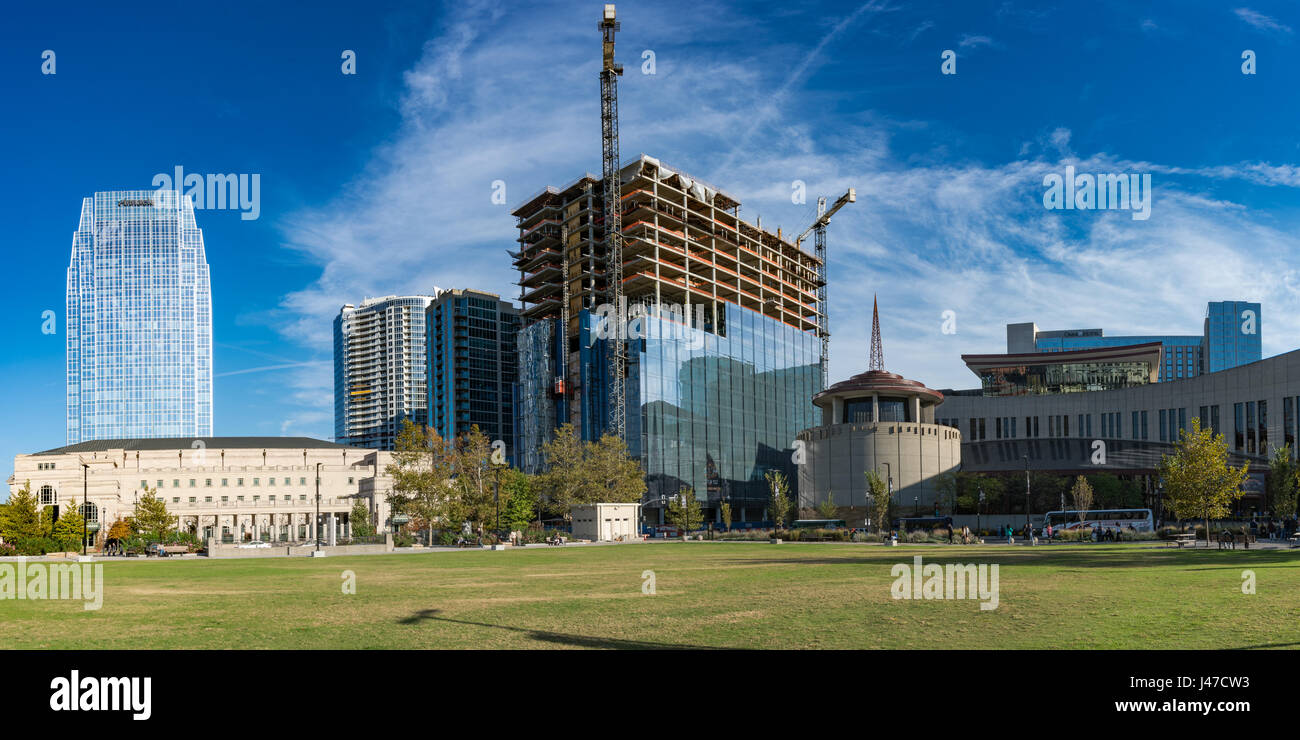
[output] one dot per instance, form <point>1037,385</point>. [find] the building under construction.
<point>721,326</point>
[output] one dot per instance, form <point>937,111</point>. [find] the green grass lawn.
<point>709,595</point>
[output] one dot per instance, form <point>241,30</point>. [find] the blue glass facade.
<point>139,320</point>
<point>716,410</point>
<point>1231,337</point>
<point>1232,334</point>
<point>472,364</point>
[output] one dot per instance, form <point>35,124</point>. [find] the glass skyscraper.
<point>472,364</point>
<point>1232,335</point>
<point>139,320</point>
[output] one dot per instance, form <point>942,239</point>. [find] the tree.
<point>946,488</point>
<point>360,519</point>
<point>518,500</point>
<point>581,472</point>
<point>19,519</point>
<point>684,511</point>
<point>725,510</point>
<point>827,509</point>
<point>563,481</point>
<point>613,475</point>
<point>151,518</point>
<point>421,469</point>
<point>472,479</point>
<point>880,500</point>
<point>778,497</point>
<point>1198,481</point>
<point>70,529</point>
<point>1081,495</point>
<point>120,530</point>
<point>1282,482</point>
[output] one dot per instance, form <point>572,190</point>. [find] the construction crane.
<point>818,229</point>
<point>609,74</point>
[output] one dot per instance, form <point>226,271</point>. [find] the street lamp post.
<point>916,506</point>
<point>85,477</point>
<point>979,508</point>
<point>317,507</point>
<point>496,497</point>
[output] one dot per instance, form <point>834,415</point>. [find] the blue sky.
<point>381,182</point>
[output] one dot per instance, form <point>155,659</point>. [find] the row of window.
<point>207,482</point>
<point>1111,425</point>
<point>238,499</point>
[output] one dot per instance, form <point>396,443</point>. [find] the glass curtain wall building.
<point>139,320</point>
<point>472,364</point>
<point>1230,337</point>
<point>721,323</point>
<point>379,370</point>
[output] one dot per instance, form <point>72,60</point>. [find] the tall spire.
<point>877,352</point>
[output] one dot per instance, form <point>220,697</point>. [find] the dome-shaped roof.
<point>881,382</point>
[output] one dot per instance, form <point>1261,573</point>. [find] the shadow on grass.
<point>1267,647</point>
<point>559,638</point>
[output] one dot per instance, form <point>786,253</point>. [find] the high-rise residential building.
<point>379,369</point>
<point>1231,337</point>
<point>721,323</point>
<point>139,320</point>
<point>472,364</point>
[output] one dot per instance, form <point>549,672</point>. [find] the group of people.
<point>1273,529</point>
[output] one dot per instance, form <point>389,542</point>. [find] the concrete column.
<point>331,533</point>
<point>875,407</point>
<point>916,409</point>
<point>837,410</point>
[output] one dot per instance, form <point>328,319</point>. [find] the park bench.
<point>1182,540</point>
<point>1294,539</point>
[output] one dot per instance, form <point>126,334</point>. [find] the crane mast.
<point>609,75</point>
<point>818,230</point>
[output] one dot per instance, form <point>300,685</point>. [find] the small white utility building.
<point>606,522</point>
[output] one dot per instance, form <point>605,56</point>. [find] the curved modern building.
<point>879,421</point>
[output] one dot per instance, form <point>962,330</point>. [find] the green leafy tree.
<point>684,511</point>
<point>19,519</point>
<point>518,500</point>
<point>360,519</point>
<point>880,500</point>
<point>70,528</point>
<point>473,497</point>
<point>1198,481</point>
<point>827,509</point>
<point>725,510</point>
<point>421,471</point>
<point>946,487</point>
<point>614,477</point>
<point>1282,482</point>
<point>1081,494</point>
<point>778,501</point>
<point>581,472</point>
<point>151,519</point>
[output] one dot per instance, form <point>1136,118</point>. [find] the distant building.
<point>233,488</point>
<point>472,364</point>
<point>379,369</point>
<point>139,319</point>
<point>1230,337</point>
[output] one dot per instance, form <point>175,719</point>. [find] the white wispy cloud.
<point>1259,21</point>
<point>929,232</point>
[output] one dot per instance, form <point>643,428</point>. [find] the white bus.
<point>1137,519</point>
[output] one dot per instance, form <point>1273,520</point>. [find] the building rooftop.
<point>214,443</point>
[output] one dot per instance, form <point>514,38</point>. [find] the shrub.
<point>447,539</point>
<point>403,539</point>
<point>7,549</point>
<point>39,546</point>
